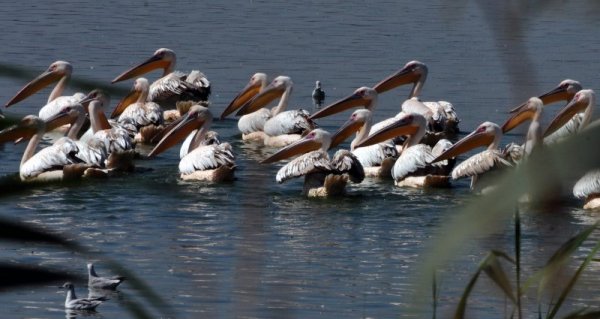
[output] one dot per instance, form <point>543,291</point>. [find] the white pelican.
<point>378,159</point>
<point>116,140</point>
<point>581,105</point>
<point>58,71</point>
<point>414,168</point>
<point>52,163</point>
<point>173,86</point>
<point>251,125</point>
<point>284,127</point>
<point>97,282</point>
<point>72,302</point>
<point>135,110</point>
<point>322,176</point>
<point>92,151</point>
<point>212,162</point>
<point>565,91</point>
<point>482,166</point>
<point>441,116</point>
<point>588,188</point>
<point>530,110</point>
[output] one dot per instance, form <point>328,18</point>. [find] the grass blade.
<point>18,276</point>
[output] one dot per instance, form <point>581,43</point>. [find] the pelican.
<point>212,162</point>
<point>323,176</point>
<point>72,302</point>
<point>52,163</point>
<point>134,109</point>
<point>565,91</point>
<point>414,168</point>
<point>441,116</point>
<point>583,102</point>
<point>251,125</point>
<point>481,166</point>
<point>532,109</point>
<point>58,71</point>
<point>97,282</point>
<point>116,139</point>
<point>92,151</point>
<point>284,127</point>
<point>588,188</point>
<point>173,86</point>
<point>378,159</point>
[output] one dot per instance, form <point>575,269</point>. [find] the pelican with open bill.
<point>213,162</point>
<point>323,176</point>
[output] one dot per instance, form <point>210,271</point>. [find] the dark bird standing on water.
<point>318,95</point>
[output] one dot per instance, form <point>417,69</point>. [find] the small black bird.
<point>318,95</point>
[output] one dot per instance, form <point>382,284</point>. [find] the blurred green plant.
<point>538,177</point>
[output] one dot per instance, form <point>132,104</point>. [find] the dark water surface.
<point>256,249</point>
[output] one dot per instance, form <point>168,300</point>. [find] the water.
<point>256,249</point>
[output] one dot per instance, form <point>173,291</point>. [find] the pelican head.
<point>274,90</point>
<point>486,134</point>
<point>55,72</point>
<point>355,123</point>
<point>139,93</point>
<point>161,59</point>
<point>257,82</point>
<point>363,96</point>
<point>527,111</point>
<point>197,117</point>
<point>412,72</point>
<point>25,129</point>
<point>565,91</point>
<point>67,115</point>
<point>314,140</point>
<point>96,94</point>
<point>412,124</point>
<point>582,100</point>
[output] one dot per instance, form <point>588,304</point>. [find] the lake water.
<point>257,249</point>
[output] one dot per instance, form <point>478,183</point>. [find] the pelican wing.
<point>480,163</point>
<point>413,160</point>
<point>115,140</point>
<point>60,103</point>
<point>254,121</point>
<point>587,185</point>
<point>572,126</point>
<point>62,152</point>
<point>142,114</point>
<point>344,161</point>
<point>373,155</point>
<point>92,152</point>
<point>289,122</point>
<point>174,84</point>
<point>308,163</point>
<point>207,157</point>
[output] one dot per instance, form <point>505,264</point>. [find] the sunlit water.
<point>256,249</point>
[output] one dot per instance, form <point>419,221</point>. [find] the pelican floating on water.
<point>135,110</point>
<point>97,282</point>
<point>481,166</point>
<point>441,116</point>
<point>323,176</point>
<point>588,189</point>
<point>565,91</point>
<point>74,303</point>
<point>414,167</point>
<point>212,162</point>
<point>284,127</point>
<point>173,86</point>
<point>251,125</point>
<point>378,159</point>
<point>52,163</point>
<point>58,71</point>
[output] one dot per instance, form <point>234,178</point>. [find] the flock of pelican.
<point>413,147</point>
